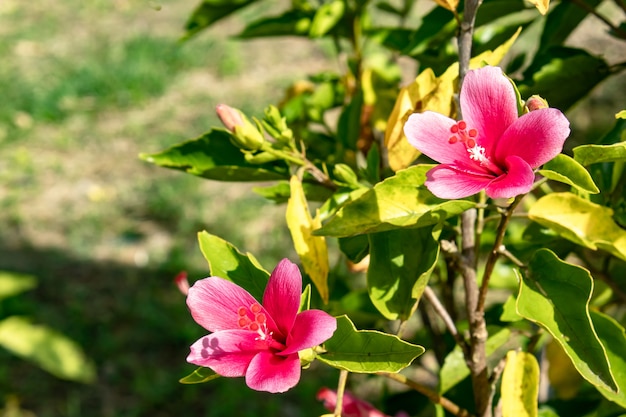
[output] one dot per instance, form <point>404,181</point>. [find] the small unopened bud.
<point>245,135</point>
<point>346,175</point>
<point>535,103</point>
<point>182,283</point>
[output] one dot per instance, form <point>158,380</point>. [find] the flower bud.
<point>535,103</point>
<point>346,175</point>
<point>245,135</point>
<point>181,282</point>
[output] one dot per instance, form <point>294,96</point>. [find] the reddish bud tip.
<point>229,116</point>
<point>181,282</point>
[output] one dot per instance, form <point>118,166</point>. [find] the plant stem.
<point>341,388</point>
<point>429,393</point>
<point>443,313</point>
<point>495,252</point>
<point>478,330</point>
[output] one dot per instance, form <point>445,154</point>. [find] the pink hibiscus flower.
<point>258,341</point>
<point>491,148</point>
<point>351,406</point>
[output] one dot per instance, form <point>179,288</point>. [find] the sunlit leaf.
<point>555,295</point>
<point>448,4</point>
<point>399,201</point>
<point>213,156</point>
<point>581,221</point>
<point>401,262</point>
<point>613,338</point>
<point>566,170</point>
<point>199,376</point>
<point>520,385</point>
<point>312,250</point>
<point>593,154</point>
<point>12,283</point>
<point>226,261</point>
<point>542,6</point>
<point>292,22</point>
<point>367,351</point>
<point>326,17</point>
<point>47,348</point>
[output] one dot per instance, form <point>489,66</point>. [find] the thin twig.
<point>430,295</point>
<point>616,29</point>
<point>429,393</point>
<point>493,255</point>
<point>507,254</point>
<point>341,388</point>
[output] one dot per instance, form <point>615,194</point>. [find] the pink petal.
<point>311,328</point>
<point>518,179</point>
<point>214,303</point>
<point>488,104</point>
<point>449,182</point>
<point>536,137</point>
<point>282,295</point>
<point>429,132</point>
<point>228,352</point>
<point>271,373</point>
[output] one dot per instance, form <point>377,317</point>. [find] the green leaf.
<point>520,385</point>
<point>213,156</point>
<point>593,154</point>
<point>12,283</point>
<point>563,76</point>
<point>209,12</point>
<point>509,310</point>
<point>561,21</point>
<point>566,170</point>
<point>454,369</point>
<point>326,17</point>
<point>290,23</point>
<point>349,125</point>
<point>199,376</point>
<point>367,351</point>
<point>226,261</point>
<point>613,338</point>
<point>581,221</point>
<point>401,262</point>
<point>280,191</point>
<point>555,295</point>
<point>47,348</point>
<point>397,202</point>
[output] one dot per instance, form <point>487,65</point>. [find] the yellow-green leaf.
<point>47,348</point>
<point>568,171</point>
<point>312,250</point>
<point>520,385</point>
<point>448,4</point>
<point>555,295</point>
<point>12,283</point>
<point>199,376</point>
<point>541,5</point>
<point>581,221</point>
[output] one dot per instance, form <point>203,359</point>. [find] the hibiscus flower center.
<point>258,325</point>
<point>468,137</point>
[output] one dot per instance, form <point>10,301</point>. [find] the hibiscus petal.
<point>214,302</point>
<point>271,373</point>
<point>228,352</point>
<point>312,327</point>
<point>536,137</point>
<point>429,132</point>
<point>446,181</point>
<point>282,295</point>
<point>518,180</point>
<point>489,104</point>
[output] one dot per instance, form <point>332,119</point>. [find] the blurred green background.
<point>84,88</point>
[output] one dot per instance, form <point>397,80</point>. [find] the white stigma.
<point>477,153</point>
